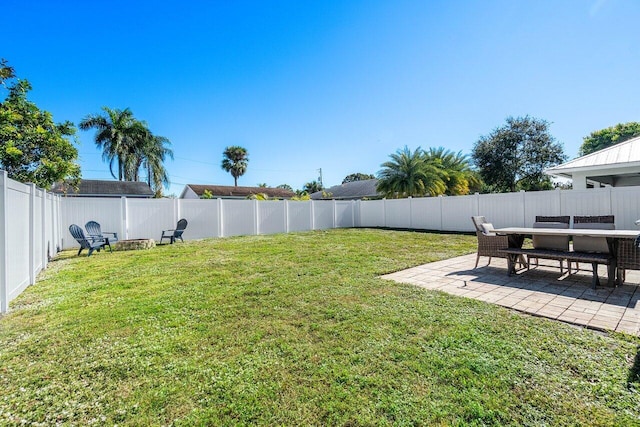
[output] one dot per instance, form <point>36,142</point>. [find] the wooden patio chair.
<point>176,233</point>
<point>89,243</point>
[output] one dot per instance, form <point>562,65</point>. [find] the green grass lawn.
<point>296,330</point>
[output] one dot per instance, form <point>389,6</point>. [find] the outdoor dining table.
<point>516,237</point>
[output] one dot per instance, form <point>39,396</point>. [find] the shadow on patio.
<point>541,291</point>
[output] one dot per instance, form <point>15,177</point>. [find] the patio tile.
<point>542,291</point>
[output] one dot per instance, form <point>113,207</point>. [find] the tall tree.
<point>455,169</point>
<point>119,135</point>
<point>152,156</point>
<point>607,137</point>
<point>235,161</point>
<point>357,177</point>
<point>33,148</point>
<point>513,157</point>
<point>408,174</point>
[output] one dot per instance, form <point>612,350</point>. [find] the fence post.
<point>286,216</point>
<point>410,213</point>
<point>32,233</point>
<point>334,210</point>
<point>441,213</point>
<point>524,207</point>
<point>45,246</point>
<point>313,215</point>
<point>4,244</point>
<point>256,218</point>
<point>384,212</point>
<point>353,213</point>
<point>220,218</point>
<point>125,218</point>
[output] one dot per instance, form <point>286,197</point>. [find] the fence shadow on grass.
<point>634,372</point>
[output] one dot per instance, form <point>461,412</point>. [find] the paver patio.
<point>541,291</point>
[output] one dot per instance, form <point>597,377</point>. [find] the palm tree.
<point>407,174</point>
<point>152,156</point>
<point>117,133</point>
<point>456,170</point>
<point>312,187</point>
<point>235,161</point>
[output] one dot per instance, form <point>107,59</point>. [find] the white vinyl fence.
<point>34,224</point>
<point>146,218</point>
<point>29,235</point>
<point>502,210</point>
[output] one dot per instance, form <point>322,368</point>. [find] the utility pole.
<point>320,178</point>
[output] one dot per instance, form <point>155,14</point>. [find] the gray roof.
<point>100,188</point>
<point>623,155</point>
<point>351,191</point>
<point>239,192</point>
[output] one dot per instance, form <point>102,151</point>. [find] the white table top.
<point>620,234</point>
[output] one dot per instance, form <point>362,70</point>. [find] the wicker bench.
<point>593,258</point>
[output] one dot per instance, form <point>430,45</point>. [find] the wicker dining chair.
<point>489,243</point>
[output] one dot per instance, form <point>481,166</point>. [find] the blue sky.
<point>337,85</point>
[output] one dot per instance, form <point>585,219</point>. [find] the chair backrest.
<point>565,219</point>
<point>93,228</point>
<point>551,242</point>
<point>78,234</point>
<point>592,244</point>
<point>182,224</point>
<point>478,221</point>
<point>601,219</point>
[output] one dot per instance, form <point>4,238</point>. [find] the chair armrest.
<point>115,235</point>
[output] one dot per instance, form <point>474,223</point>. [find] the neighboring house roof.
<point>350,191</point>
<point>618,166</point>
<point>224,191</point>
<point>100,188</point>
<point>623,155</point>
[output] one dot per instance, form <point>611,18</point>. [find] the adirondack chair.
<point>85,242</point>
<point>94,232</point>
<point>172,235</point>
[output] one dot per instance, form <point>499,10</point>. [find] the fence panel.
<point>322,214</point>
<point>299,215</point>
<point>18,241</point>
<point>398,213</point>
<point>372,213</point>
<point>80,210</point>
<point>457,212</point>
<point>37,230</point>
<point>238,217</point>
<point>202,217</point>
<point>146,218</point>
<point>271,217</point>
<point>593,201</point>
<point>502,210</point>
<point>544,203</point>
<point>345,217</point>
<point>426,213</point>
<point>625,205</point>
